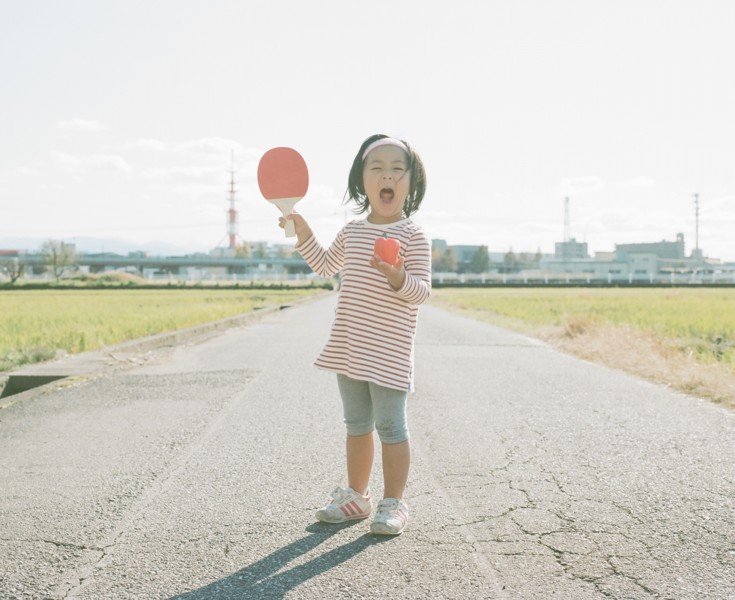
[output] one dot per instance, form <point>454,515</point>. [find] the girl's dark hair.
<point>356,189</point>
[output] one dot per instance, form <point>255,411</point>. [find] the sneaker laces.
<point>339,494</point>
<point>386,505</point>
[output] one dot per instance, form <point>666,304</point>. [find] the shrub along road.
<point>196,475</point>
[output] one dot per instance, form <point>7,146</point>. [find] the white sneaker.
<point>346,505</point>
<point>391,517</point>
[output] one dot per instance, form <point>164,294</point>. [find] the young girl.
<point>371,343</point>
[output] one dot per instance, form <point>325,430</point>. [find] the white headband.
<point>388,141</point>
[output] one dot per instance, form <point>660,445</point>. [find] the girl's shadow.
<point>257,579</point>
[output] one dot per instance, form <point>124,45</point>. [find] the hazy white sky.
<point>118,117</point>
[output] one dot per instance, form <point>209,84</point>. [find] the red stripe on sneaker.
<point>344,510</point>
<point>351,508</point>
<point>356,507</point>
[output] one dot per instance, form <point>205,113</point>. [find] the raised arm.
<point>322,262</point>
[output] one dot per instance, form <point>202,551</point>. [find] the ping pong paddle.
<point>283,179</point>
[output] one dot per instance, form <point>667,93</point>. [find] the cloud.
<point>149,144</point>
<point>19,172</point>
<point>638,182</point>
<point>722,203</point>
<point>190,173</point>
<point>27,171</point>
<point>199,190</point>
<point>583,184</point>
<point>81,125</point>
<point>211,147</point>
<point>80,164</point>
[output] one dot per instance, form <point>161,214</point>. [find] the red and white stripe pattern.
<point>346,505</point>
<point>374,327</point>
<point>400,515</point>
<point>354,511</point>
<point>391,517</point>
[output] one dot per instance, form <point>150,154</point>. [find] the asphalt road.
<point>195,474</point>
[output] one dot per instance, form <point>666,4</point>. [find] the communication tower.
<point>232,234</point>
<point>232,212</point>
<point>697,253</point>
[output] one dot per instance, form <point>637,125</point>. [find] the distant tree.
<point>510,262</point>
<point>480,260</point>
<point>261,251</point>
<point>58,256</point>
<point>450,260</point>
<point>538,257</point>
<point>13,268</point>
<point>243,250</point>
<point>444,262</point>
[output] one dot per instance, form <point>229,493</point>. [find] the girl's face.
<point>387,180</point>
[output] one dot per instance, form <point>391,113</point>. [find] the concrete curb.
<point>89,364</point>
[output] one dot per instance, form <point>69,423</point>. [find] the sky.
<point>119,119</point>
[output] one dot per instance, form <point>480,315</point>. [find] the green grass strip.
<point>698,320</point>
<point>35,324</point>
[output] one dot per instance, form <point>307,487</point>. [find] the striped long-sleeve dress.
<point>372,336</point>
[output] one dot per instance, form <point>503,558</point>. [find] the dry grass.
<point>645,355</point>
<point>631,347</point>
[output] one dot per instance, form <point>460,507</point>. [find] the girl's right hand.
<point>303,231</point>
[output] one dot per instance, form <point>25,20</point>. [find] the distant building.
<point>662,249</point>
<point>464,256</point>
<point>570,250</point>
<point>222,252</point>
<point>633,262</point>
<point>637,261</point>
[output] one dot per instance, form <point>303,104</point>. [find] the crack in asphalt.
<point>55,543</point>
<point>146,494</point>
<point>561,534</point>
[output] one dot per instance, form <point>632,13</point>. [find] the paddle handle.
<point>286,206</point>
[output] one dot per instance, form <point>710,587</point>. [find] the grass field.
<point>660,333</point>
<point>35,324</point>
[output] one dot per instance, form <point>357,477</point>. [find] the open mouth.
<point>386,194</point>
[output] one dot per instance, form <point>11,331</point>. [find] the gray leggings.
<point>369,406</point>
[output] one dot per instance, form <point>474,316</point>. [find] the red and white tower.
<point>232,213</point>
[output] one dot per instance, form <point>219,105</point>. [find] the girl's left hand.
<point>395,274</point>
